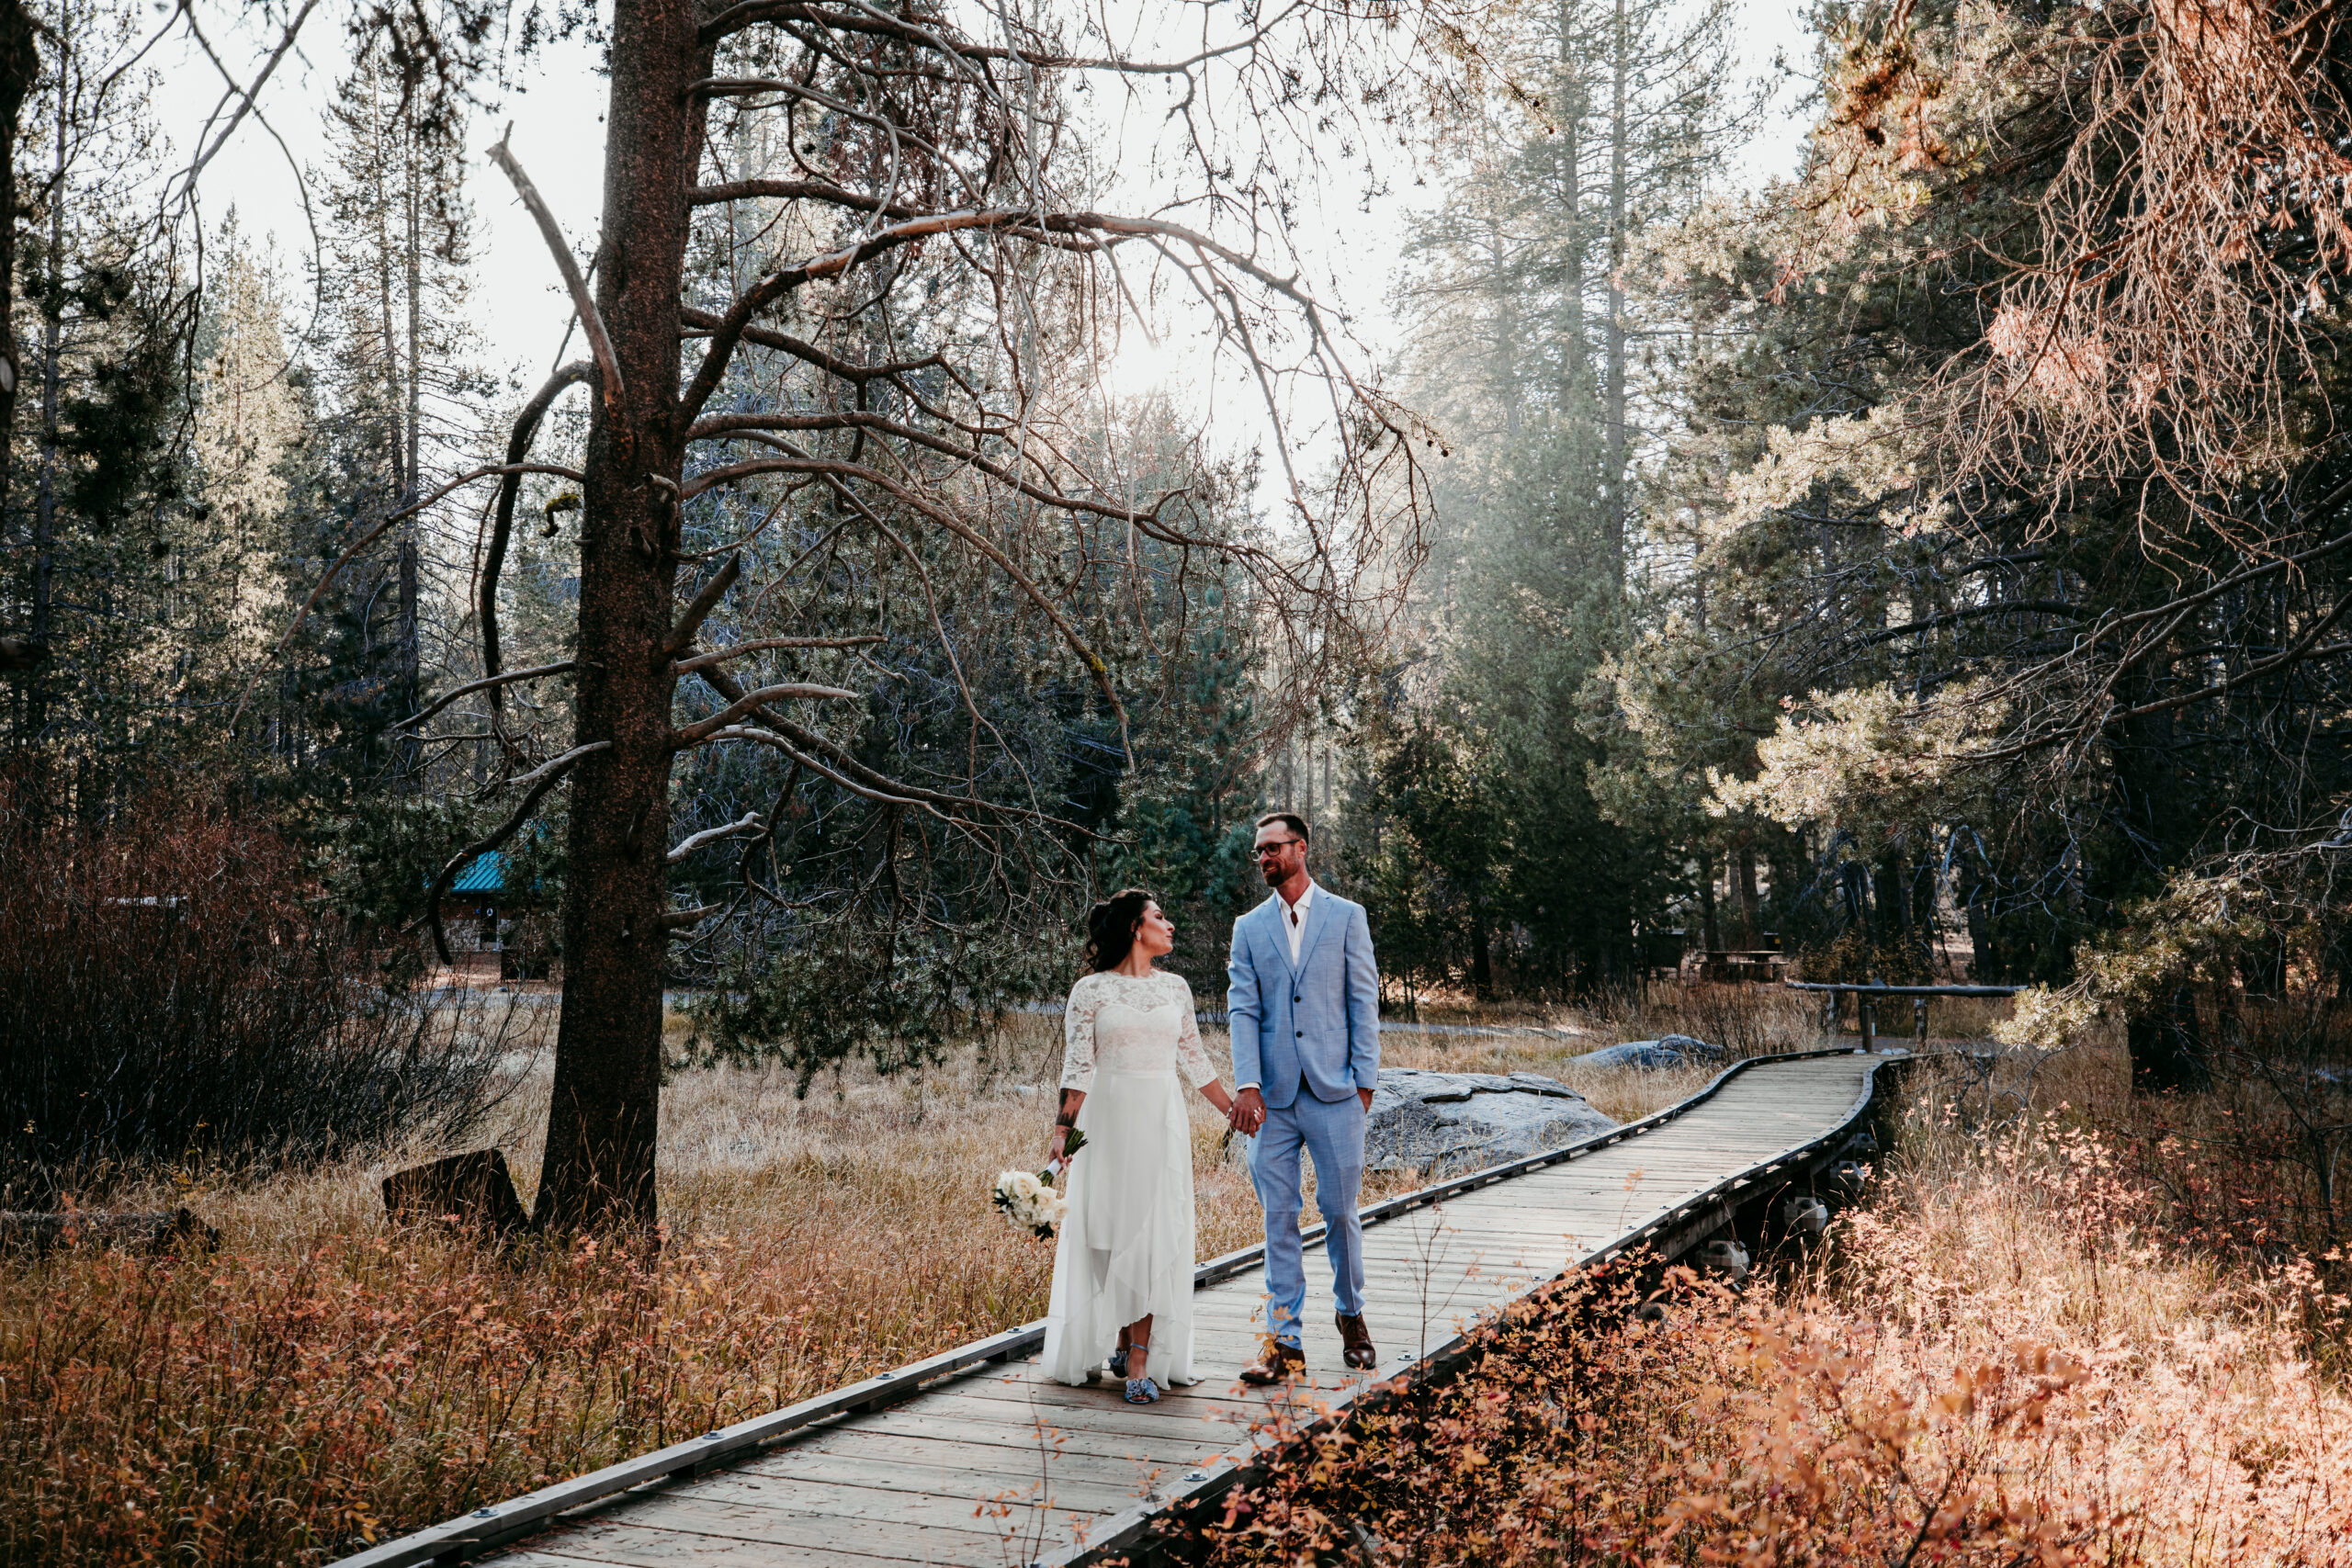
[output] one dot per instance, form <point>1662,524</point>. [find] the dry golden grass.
<point>322,1382</point>
<point>2012,1355</point>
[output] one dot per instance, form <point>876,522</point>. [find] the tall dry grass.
<point>322,1382</point>
<point>2020,1352</point>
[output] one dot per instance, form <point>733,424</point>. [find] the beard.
<point>1274,875</point>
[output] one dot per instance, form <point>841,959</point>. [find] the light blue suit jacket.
<point>1317,1024</point>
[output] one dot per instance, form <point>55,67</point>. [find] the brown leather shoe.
<point>1276,1362</point>
<point>1358,1340</point>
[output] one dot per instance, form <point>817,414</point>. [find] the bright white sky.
<point>556,104</point>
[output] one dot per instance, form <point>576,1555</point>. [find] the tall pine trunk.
<point>52,348</point>
<point>1614,390</point>
<point>408,755</point>
<point>19,69</point>
<point>600,1149</point>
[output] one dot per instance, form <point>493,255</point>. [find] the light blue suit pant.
<point>1332,1135</point>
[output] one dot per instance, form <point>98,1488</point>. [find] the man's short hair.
<point>1290,819</point>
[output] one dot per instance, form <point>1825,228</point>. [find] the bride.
<point>1123,1273</point>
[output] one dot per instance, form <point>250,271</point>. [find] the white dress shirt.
<point>1295,917</point>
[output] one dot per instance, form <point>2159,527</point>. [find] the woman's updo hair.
<point>1110,927</point>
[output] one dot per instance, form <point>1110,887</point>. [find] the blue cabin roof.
<point>483,874</point>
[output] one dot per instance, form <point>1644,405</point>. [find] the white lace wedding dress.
<point>1126,1241</point>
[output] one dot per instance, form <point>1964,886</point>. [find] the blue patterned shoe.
<point>1142,1391</point>
<point>1119,1362</point>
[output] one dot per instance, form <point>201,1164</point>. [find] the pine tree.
<point>250,417</point>
<point>1528,335</point>
<point>100,318</point>
<point>393,366</point>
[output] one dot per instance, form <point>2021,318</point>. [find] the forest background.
<point>1694,560</point>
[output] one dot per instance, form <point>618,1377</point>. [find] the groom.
<point>1304,1001</point>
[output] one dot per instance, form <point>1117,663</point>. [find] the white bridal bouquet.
<point>1028,1198</point>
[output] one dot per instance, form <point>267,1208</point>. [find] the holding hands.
<point>1248,1112</point>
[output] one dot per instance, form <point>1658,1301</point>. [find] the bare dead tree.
<point>850,253</point>
<point>2190,254</point>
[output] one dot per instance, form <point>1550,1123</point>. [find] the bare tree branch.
<point>246,95</point>
<point>487,683</point>
<point>799,190</point>
<point>867,19</point>
<point>762,645</point>
<point>688,845</point>
<point>690,619</point>
<point>831,364</point>
<point>694,734</point>
<point>592,322</point>
<point>518,446</point>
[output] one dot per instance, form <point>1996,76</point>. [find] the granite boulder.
<point>1445,1123</point>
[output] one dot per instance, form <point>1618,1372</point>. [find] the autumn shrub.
<point>2260,1164</point>
<point>169,997</point>
<point>2015,1354</point>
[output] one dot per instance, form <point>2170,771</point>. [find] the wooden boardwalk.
<point>974,1458</point>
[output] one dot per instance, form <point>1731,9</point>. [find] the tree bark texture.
<point>600,1151</point>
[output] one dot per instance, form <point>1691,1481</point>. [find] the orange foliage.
<point>2007,1361</point>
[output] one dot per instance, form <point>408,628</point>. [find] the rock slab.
<point>473,1189</point>
<point>1445,1123</point>
<point>1667,1051</point>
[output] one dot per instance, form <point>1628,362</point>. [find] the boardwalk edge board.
<point>490,1528</point>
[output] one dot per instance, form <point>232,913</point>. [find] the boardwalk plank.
<point>695,1507</point>
<point>915,1419</point>
<point>1014,1466</point>
<point>961,1487</point>
<point>757,1544</point>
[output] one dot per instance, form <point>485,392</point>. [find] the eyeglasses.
<point>1276,848</point>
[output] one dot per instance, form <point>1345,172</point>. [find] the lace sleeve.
<point>1078,1034</point>
<point>1193,1061</point>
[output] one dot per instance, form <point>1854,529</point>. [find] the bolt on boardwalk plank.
<point>997,1464</point>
